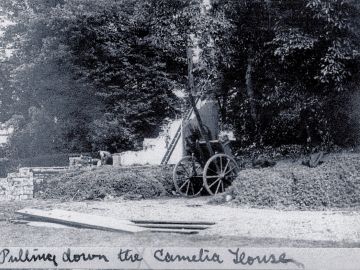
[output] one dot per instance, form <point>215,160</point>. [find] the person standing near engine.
<point>106,158</point>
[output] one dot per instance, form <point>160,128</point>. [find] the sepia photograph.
<point>180,134</point>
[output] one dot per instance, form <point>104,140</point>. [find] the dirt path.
<point>234,225</point>
<point>231,220</point>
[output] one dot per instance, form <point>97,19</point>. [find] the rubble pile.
<point>333,184</point>
<point>107,181</point>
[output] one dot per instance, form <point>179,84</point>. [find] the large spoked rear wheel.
<point>219,172</point>
<point>187,177</point>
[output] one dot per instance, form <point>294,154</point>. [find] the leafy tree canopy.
<point>102,74</point>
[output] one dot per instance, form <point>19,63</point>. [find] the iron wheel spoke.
<point>233,168</point>
<point>226,166</point>
<point>187,189</point>
<point>184,184</point>
<point>217,188</point>
<point>212,176</point>
<point>212,170</point>
<point>217,180</point>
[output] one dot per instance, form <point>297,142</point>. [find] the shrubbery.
<point>334,184</point>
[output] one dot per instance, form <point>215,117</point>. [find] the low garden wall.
<point>20,185</point>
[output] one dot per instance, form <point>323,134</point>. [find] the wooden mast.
<point>191,90</point>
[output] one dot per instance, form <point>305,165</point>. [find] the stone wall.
<point>17,186</point>
<point>20,185</point>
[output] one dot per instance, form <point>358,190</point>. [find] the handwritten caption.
<point>141,259</point>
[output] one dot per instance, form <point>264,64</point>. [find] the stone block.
<point>25,197</point>
<point>116,160</point>
<point>25,171</point>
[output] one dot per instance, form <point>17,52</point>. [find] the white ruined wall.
<point>5,132</point>
<point>153,149</point>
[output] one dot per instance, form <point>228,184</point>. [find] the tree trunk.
<point>222,102</point>
<point>251,96</point>
<point>250,90</point>
<point>192,91</point>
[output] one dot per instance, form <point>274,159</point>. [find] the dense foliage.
<point>84,76</point>
<point>295,72</point>
<point>100,74</point>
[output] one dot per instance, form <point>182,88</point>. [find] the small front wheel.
<point>187,177</point>
<point>219,172</point>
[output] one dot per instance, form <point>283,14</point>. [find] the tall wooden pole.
<point>191,90</point>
